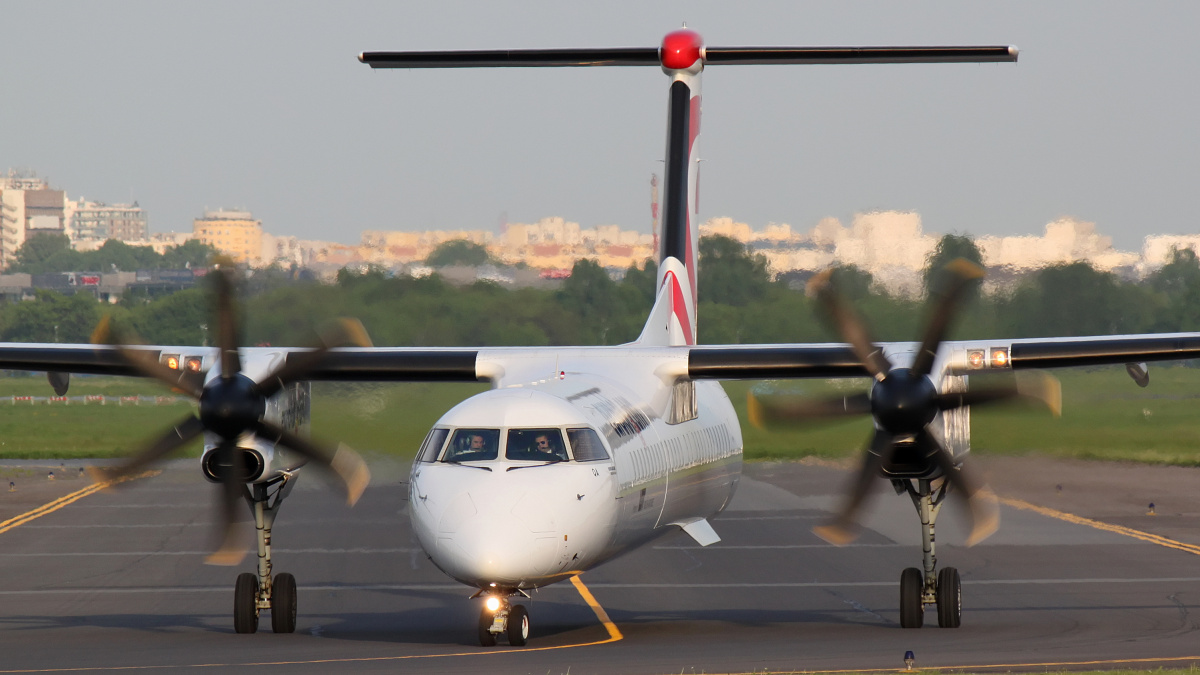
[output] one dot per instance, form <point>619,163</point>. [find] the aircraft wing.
<point>702,362</point>
<point>961,357</point>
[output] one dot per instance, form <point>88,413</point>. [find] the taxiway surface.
<point>115,581</point>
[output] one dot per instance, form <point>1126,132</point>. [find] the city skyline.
<point>227,105</point>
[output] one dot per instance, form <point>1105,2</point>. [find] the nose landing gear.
<point>499,617</point>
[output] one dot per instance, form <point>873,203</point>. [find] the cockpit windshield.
<point>536,445</point>
<point>473,445</point>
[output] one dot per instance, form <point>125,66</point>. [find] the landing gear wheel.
<point>486,637</point>
<point>912,587</point>
<point>245,603</point>
<point>518,626</point>
<point>949,598</point>
<point>283,603</point>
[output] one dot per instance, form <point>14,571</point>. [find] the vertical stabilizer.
<point>682,56</point>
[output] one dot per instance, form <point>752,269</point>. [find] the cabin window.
<point>432,445</point>
<point>473,445</point>
<point>536,445</point>
<point>586,445</point>
<point>683,402</point>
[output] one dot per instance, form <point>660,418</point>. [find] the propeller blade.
<point>982,505</point>
<point>344,332</point>
<point>960,273</point>
<point>145,362</point>
<point>344,462</point>
<point>843,529</point>
<point>848,324</point>
<point>227,322</point>
<point>1033,384</point>
<point>232,548</point>
<point>187,429</point>
<point>784,409</point>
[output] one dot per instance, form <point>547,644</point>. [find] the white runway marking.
<point>205,523</point>
<point>751,547</point>
<point>567,587</point>
<point>142,554</point>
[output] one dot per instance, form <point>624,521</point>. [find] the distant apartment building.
<point>97,221</point>
<point>27,206</point>
<point>234,233</point>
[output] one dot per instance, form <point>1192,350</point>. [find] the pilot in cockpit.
<point>546,446</point>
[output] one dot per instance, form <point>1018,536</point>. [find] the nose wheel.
<point>499,617</point>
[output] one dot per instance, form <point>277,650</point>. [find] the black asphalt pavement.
<point>115,581</point>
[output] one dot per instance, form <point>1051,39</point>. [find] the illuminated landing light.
<point>192,364</point>
<point>999,358</point>
<point>975,358</point>
<point>492,603</point>
<point>909,660</point>
<point>170,360</point>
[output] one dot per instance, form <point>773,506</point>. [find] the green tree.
<point>1076,299</point>
<point>591,294</point>
<point>852,282</point>
<point>190,254</point>
<point>949,248</point>
<point>1179,284</point>
<point>176,319</point>
<point>729,274</point>
<point>39,248</point>
<point>458,252</point>
<point>52,317</point>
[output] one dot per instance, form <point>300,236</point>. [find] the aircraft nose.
<point>480,541</point>
<point>492,533</point>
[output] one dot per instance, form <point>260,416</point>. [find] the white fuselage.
<point>516,523</point>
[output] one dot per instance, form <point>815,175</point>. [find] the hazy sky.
<point>264,106</point>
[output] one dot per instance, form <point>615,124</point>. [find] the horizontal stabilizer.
<point>757,56</point>
<point>514,58</point>
<point>711,56</point>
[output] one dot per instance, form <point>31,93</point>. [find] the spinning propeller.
<point>233,404</point>
<point>903,401</point>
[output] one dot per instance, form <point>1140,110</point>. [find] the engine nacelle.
<point>290,409</point>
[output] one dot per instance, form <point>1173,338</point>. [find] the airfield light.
<point>193,364</point>
<point>909,659</point>
<point>975,358</point>
<point>999,358</point>
<point>492,603</point>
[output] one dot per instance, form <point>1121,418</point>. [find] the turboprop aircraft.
<point>577,455</point>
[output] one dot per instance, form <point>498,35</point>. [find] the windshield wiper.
<point>530,466</point>
<point>469,466</point>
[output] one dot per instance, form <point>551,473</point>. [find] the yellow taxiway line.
<point>57,504</point>
<point>614,634</point>
<point>1107,527</point>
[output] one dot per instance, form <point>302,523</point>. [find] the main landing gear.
<point>255,592</point>
<point>499,617</point>
<point>918,589</point>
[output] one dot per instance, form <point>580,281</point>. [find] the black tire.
<point>283,603</point>
<point>518,626</point>
<point>949,598</point>
<point>912,588</point>
<point>486,637</point>
<point>245,603</point>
